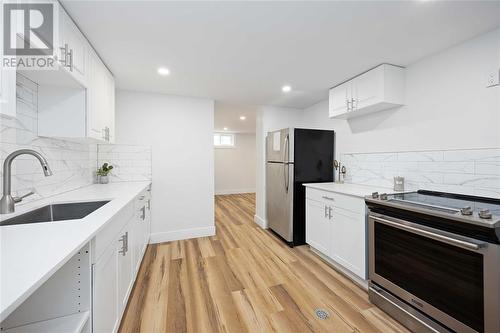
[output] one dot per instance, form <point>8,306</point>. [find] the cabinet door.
<point>125,268</point>
<point>368,88</point>
<point>339,97</point>
<point>318,226</point>
<point>77,45</point>
<point>96,99</point>
<point>349,240</point>
<point>110,105</point>
<point>138,237</point>
<point>8,92</point>
<point>147,224</point>
<point>104,300</point>
<point>100,101</point>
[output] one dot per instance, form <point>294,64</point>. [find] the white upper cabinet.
<point>7,85</point>
<point>8,92</point>
<point>340,98</point>
<point>100,101</point>
<point>73,47</point>
<point>77,101</point>
<point>378,89</point>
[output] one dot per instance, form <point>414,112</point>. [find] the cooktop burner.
<point>478,210</point>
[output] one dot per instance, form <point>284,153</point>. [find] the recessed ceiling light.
<point>243,118</point>
<point>225,128</point>
<point>163,71</point>
<point>286,89</point>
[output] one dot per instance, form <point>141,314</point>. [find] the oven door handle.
<point>435,234</point>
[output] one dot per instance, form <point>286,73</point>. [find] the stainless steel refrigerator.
<point>294,157</point>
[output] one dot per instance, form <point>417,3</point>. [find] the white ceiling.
<point>243,52</point>
<point>228,115</point>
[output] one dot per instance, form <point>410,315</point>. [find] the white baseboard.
<point>237,191</point>
<point>161,237</point>
<point>260,221</point>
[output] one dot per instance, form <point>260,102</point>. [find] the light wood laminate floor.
<point>244,279</point>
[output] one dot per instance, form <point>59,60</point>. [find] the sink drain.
<point>322,314</point>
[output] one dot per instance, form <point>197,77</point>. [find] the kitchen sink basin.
<point>56,212</point>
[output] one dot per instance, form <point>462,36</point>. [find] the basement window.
<point>224,140</point>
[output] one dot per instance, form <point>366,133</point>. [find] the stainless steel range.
<point>434,260</point>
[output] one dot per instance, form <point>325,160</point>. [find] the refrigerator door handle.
<point>286,166</point>
<point>286,149</point>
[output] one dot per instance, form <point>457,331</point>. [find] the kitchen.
<point>377,183</point>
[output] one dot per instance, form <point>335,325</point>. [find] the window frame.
<point>224,146</point>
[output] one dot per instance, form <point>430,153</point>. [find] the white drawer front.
<point>347,202</point>
<point>107,235</point>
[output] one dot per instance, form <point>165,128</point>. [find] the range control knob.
<point>485,213</point>
<point>383,196</point>
<point>375,195</point>
<point>466,210</point>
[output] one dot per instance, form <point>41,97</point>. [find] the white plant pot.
<point>103,179</point>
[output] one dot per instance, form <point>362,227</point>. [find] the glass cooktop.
<point>446,202</point>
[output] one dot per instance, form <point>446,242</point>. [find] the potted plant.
<point>102,173</point>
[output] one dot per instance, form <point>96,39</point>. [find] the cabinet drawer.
<point>347,202</point>
<point>107,235</point>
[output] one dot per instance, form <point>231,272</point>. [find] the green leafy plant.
<point>104,170</point>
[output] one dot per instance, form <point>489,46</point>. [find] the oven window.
<point>447,277</point>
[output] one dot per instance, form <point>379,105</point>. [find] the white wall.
<point>180,132</point>
<point>235,167</point>
<point>269,118</point>
<point>447,106</point>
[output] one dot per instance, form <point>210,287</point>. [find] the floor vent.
<point>322,314</point>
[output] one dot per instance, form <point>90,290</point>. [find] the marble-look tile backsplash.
<point>130,162</point>
<point>469,171</point>
<point>73,164</point>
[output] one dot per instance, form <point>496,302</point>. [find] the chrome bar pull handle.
<point>435,234</point>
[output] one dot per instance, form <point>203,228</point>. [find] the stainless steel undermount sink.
<point>56,212</point>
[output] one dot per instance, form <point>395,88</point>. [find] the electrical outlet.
<point>493,78</point>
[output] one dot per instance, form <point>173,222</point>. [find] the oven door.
<point>451,278</point>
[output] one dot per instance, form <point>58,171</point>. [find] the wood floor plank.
<point>245,279</point>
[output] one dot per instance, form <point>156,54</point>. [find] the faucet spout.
<point>7,202</point>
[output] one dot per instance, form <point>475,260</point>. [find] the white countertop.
<point>349,189</point>
<point>31,253</point>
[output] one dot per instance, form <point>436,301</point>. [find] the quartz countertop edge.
<point>354,190</point>
<point>31,253</point>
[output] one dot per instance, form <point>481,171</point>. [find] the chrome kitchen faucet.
<point>7,203</point>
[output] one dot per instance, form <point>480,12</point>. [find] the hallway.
<point>244,280</point>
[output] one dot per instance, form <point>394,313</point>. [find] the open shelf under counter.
<point>68,324</point>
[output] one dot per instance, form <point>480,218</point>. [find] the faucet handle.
<point>19,199</point>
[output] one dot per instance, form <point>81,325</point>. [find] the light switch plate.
<point>493,78</point>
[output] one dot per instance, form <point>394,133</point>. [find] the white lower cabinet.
<point>336,227</point>
<point>116,269</point>
<point>125,266</point>
<point>89,293</point>
<point>105,293</point>
<point>349,241</point>
<point>318,226</point>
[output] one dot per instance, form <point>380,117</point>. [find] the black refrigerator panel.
<point>313,163</point>
<point>313,155</point>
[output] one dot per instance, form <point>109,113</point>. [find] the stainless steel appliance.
<point>293,157</point>
<point>434,260</point>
